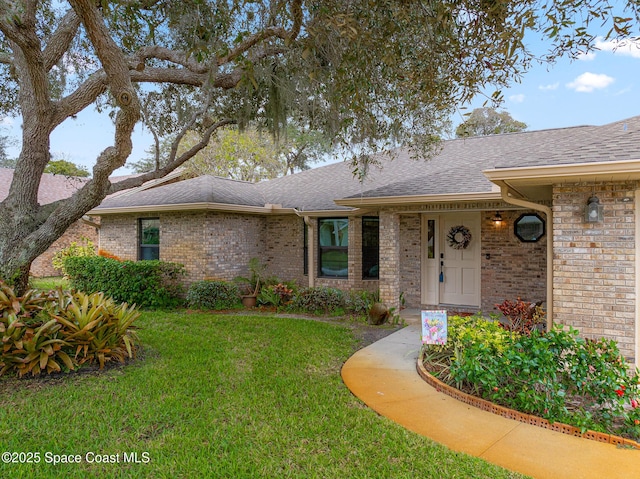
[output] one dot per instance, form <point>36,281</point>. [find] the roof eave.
<point>222,207</point>
<point>568,173</point>
<point>418,199</point>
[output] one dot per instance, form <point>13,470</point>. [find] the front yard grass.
<point>224,396</point>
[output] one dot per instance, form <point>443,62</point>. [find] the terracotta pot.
<point>249,301</point>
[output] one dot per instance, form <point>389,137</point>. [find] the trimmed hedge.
<point>214,295</point>
<point>148,284</point>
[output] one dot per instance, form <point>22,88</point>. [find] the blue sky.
<point>598,88</point>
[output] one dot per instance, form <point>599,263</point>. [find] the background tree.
<point>366,74</point>
<point>302,147</point>
<point>488,121</point>
<point>5,161</point>
<point>247,156</point>
<point>67,168</point>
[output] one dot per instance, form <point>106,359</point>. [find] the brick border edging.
<point>488,406</point>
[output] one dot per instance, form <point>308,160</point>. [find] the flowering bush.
<point>555,375</point>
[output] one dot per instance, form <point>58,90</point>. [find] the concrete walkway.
<point>384,376</point>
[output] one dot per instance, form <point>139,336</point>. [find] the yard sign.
<point>434,327</point>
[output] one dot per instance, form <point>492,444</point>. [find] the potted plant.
<point>251,285</point>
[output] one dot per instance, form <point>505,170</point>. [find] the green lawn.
<point>220,397</point>
<point>51,282</point>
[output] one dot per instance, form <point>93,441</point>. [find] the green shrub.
<point>463,333</point>
<point>319,300</point>
<point>74,250</point>
<point>556,375</point>
<point>360,302</point>
<point>214,295</point>
<point>60,331</point>
<point>148,284</point>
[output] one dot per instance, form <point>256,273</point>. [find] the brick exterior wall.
<point>410,258</point>
<point>212,245</point>
<point>284,248</point>
<point>511,268</point>
<point>42,266</point>
<point>594,264</point>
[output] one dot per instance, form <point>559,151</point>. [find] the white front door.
<point>459,276</point>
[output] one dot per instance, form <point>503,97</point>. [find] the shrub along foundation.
<point>516,415</point>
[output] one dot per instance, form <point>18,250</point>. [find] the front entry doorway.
<point>451,259</point>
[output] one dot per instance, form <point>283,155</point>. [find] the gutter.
<point>506,190</point>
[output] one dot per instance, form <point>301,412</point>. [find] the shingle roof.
<point>456,169</point>
<point>203,189</point>
<point>52,187</point>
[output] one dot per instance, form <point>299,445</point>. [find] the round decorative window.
<point>529,227</point>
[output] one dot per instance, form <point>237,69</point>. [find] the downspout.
<point>504,191</point>
<point>311,249</point>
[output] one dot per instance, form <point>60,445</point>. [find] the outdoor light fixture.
<point>497,218</point>
<point>593,213</point>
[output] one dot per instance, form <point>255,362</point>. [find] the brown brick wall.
<point>511,268</point>
<point>42,266</point>
<point>594,264</point>
<point>284,248</point>
<point>231,241</point>
<point>410,259</point>
<point>215,245</point>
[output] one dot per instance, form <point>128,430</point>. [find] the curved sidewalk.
<point>384,376</point>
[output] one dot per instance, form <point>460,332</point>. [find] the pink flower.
<point>634,403</point>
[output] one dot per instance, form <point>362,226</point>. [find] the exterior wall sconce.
<point>593,213</point>
<point>497,219</point>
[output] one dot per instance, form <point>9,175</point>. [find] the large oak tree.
<point>367,73</point>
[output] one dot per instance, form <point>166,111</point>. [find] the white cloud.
<point>550,87</point>
<point>517,98</point>
<point>588,82</point>
<point>628,47</point>
<point>6,121</point>
<point>586,57</point>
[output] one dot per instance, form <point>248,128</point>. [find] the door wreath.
<point>459,237</point>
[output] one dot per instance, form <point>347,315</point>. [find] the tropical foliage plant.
<point>60,331</point>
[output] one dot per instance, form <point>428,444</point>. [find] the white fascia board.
<point>418,199</point>
<point>577,172</point>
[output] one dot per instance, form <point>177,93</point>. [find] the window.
<point>370,247</point>
<point>149,241</point>
<point>529,228</point>
<point>333,247</point>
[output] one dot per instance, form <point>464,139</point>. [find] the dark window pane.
<point>333,249</point>
<point>149,238</point>
<point>370,247</point>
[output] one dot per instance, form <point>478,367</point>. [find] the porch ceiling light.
<point>593,212</point>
